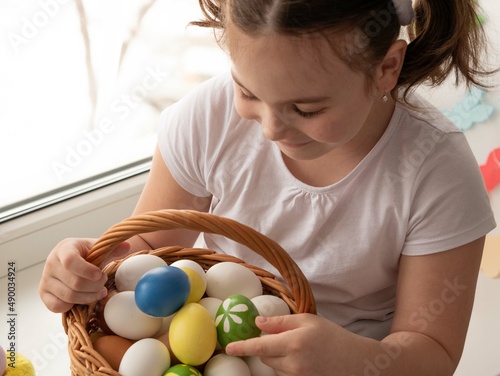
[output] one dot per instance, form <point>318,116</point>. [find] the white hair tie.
<point>404,10</point>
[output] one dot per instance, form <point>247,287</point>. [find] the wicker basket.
<point>81,321</point>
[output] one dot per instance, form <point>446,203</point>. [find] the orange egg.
<point>96,335</point>
<point>112,348</point>
<point>164,339</point>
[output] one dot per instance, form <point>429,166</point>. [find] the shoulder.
<point>440,177</point>
<point>426,139</point>
<point>205,115</point>
<point>210,97</point>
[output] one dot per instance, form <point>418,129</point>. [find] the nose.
<point>274,125</point>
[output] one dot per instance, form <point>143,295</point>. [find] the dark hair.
<point>445,35</point>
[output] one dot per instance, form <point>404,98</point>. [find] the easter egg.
<point>112,348</point>
<point>125,319</point>
<point>257,367</point>
<point>182,370</point>
<point>192,334</point>
<point>165,326</point>
<point>165,340</point>
<point>99,311</point>
<point>3,360</point>
<point>211,305</point>
<point>133,268</point>
<point>235,320</point>
<point>198,286</point>
<point>145,357</point>
<point>223,364</point>
<point>229,278</point>
<point>23,367</point>
<point>162,291</point>
<point>190,264</point>
<point>270,305</point>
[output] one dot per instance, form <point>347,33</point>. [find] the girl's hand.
<point>68,279</point>
<point>301,344</point>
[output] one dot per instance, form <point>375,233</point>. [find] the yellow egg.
<point>198,286</point>
<point>192,334</point>
<point>22,366</point>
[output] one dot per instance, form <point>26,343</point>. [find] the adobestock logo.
<point>122,106</point>
<point>52,350</point>
<point>428,314</point>
<point>31,26</point>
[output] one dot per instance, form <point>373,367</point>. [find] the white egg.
<point>145,357</point>
<point>165,326</point>
<point>211,305</point>
<point>132,269</point>
<point>223,364</point>
<point>270,305</point>
<point>228,278</point>
<point>125,319</point>
<point>257,368</point>
<point>190,264</point>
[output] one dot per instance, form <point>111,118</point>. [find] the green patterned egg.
<point>235,320</point>
<point>182,370</point>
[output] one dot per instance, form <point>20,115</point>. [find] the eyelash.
<point>304,114</point>
<point>307,115</point>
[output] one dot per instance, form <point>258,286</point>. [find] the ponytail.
<point>446,37</point>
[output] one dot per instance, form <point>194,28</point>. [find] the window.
<point>82,87</point>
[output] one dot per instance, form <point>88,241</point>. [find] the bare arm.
<point>69,279</point>
<point>434,303</point>
<point>163,192</point>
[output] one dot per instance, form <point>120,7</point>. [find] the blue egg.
<point>162,291</point>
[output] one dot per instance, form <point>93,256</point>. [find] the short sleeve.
<point>450,205</point>
<point>184,131</point>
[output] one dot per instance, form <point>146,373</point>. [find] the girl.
<point>316,139</point>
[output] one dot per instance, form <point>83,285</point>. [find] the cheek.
<point>245,109</point>
<point>336,128</point>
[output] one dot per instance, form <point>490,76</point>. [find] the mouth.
<point>294,145</point>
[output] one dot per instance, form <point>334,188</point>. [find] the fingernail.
<point>103,293</point>
<point>260,320</point>
<point>228,349</point>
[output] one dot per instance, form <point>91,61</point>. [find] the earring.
<point>385,98</point>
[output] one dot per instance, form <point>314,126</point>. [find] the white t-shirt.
<point>418,191</point>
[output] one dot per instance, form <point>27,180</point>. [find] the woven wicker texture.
<point>81,321</point>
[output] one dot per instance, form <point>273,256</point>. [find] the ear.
<point>389,69</point>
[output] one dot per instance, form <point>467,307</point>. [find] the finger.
<point>119,252</point>
<point>78,283</point>
<point>74,263</point>
<point>58,297</point>
<point>279,324</point>
<point>69,268</point>
<point>53,303</point>
<point>260,346</point>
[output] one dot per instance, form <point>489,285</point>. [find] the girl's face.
<point>306,99</point>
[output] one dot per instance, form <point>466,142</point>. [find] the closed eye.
<point>247,97</point>
<point>306,114</point>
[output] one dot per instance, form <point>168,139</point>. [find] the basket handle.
<point>210,223</point>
